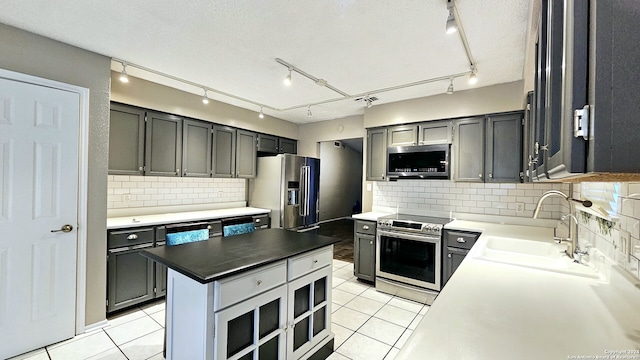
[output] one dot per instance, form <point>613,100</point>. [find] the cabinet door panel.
<point>469,150</point>
<point>268,144</point>
<point>163,155</point>
<point>402,135</point>
<point>435,132</point>
<point>246,154</point>
<point>364,257</point>
<point>453,259</point>
<point>130,279</point>
<point>126,140</point>
<point>196,151</point>
<point>224,151</point>
<point>504,148</point>
<point>288,146</point>
<point>376,154</point>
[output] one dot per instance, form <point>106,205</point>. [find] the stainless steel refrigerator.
<point>288,185</point>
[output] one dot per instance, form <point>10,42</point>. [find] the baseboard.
<point>96,326</point>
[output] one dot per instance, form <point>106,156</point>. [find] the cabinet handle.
<point>209,227</point>
<point>184,171</point>
<point>480,175</point>
<point>461,240</point>
<point>366,227</point>
<point>177,171</point>
<point>370,242</point>
<point>132,237</point>
<point>259,282</point>
<point>140,168</point>
<point>258,220</point>
<point>449,256</point>
<point>490,176</point>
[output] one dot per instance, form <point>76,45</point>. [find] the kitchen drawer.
<point>215,228</point>
<point>237,288</point>
<point>128,237</point>
<point>460,239</point>
<point>309,262</point>
<point>365,227</point>
<point>261,221</point>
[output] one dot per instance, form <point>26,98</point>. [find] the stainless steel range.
<point>408,256</point>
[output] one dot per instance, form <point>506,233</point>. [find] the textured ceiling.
<point>357,46</point>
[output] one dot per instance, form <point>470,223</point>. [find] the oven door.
<point>408,258</point>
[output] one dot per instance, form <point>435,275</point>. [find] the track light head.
<point>261,115</point>
<point>450,88</point>
<point>473,78</point>
<point>287,79</point>
<point>309,114</point>
<point>452,25</point>
<point>123,75</point>
<point>205,98</point>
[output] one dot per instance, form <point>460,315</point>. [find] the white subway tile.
<point>129,184</point>
<point>507,186</point>
<point>499,205</point>
<point>151,191</point>
<point>120,178</point>
<point>483,204</point>
<point>476,210</point>
<point>120,191</point>
<point>515,192</point>
<point>462,197</point>
<point>157,184</point>
<point>462,209</point>
<point>507,212</point>
<point>491,211</point>
<point>499,192</point>
<point>484,191</point>
<point>114,184</point>
<point>469,204</point>
<point>477,197</point>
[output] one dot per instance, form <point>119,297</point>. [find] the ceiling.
<point>357,46</point>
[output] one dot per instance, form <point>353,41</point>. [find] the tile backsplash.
<point>147,191</point>
<point>475,198</point>
<point>617,235</point>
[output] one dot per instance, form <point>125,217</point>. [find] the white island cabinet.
<point>280,310</point>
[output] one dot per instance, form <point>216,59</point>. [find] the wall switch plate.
<point>368,187</point>
<point>519,208</point>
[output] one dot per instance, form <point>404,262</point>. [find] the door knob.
<point>65,228</point>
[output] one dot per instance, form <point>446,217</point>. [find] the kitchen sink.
<point>541,255</point>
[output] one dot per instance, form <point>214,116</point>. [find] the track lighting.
<point>368,102</point>
<point>452,25</point>
<point>450,88</point>
<point>309,114</point>
<point>261,115</point>
<point>123,75</point>
<point>473,78</point>
<point>205,98</point>
<point>287,80</point>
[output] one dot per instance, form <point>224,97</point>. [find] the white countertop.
<point>167,218</point>
<point>497,311</point>
<point>370,216</point>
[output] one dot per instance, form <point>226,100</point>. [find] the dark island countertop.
<point>214,259</point>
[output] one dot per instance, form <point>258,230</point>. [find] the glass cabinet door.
<point>253,329</point>
<point>309,311</point>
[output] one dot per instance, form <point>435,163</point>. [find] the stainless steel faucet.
<point>574,252</point>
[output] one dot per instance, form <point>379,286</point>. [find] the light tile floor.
<point>367,324</point>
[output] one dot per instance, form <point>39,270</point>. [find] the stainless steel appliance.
<point>420,162</point>
<point>409,257</point>
<point>288,185</point>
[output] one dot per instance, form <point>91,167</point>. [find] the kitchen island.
<point>266,292</point>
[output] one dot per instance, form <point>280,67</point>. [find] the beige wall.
<point>311,134</point>
<point>35,55</point>
<point>340,180</point>
<point>484,100</point>
<point>154,96</point>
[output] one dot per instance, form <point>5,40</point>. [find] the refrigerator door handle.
<point>307,189</point>
<point>303,198</point>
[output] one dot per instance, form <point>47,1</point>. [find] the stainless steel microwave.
<point>418,162</point>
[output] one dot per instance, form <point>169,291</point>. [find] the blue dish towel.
<point>187,237</point>
<point>231,230</point>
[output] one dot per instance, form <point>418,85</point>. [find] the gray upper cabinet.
<point>435,132</point>
<point>468,149</point>
<point>376,154</point>
<point>288,146</point>
<point>246,154</point>
<point>196,148</point>
<point>503,148</point>
<point>268,144</point>
<point>163,153</point>
<point>224,151</point>
<point>402,135</point>
<point>126,140</point>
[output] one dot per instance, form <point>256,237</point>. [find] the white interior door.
<point>38,194</point>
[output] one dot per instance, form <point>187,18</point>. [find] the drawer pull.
<point>366,227</point>
<point>209,227</point>
<point>259,282</point>
<point>132,237</point>
<point>257,220</point>
<point>461,240</point>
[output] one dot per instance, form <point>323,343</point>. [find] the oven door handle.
<point>423,238</point>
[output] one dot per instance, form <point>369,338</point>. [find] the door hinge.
<point>145,117</point>
<point>107,302</point>
<point>581,122</point>
<point>155,290</point>
<point>522,121</point>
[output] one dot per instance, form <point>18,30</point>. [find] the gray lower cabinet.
<point>163,148</point>
<point>126,140</point>
<point>376,154</point>
<point>503,155</point>
<point>364,250</point>
<point>130,279</point>
<point>245,154</point>
<point>456,245</point>
<point>196,148</point>
<point>224,151</point>
<point>468,149</point>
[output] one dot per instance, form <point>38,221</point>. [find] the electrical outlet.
<point>126,197</point>
<point>519,208</point>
